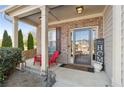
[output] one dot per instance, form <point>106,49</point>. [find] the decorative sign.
<point>100,50</point>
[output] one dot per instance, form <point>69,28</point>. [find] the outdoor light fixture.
<point>80,9</point>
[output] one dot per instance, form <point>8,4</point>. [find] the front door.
<point>82,46</point>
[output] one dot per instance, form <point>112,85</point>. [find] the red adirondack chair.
<point>37,58</point>
<point>53,57</point>
<point>51,60</point>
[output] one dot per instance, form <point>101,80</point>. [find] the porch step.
<point>88,68</point>
<point>32,70</point>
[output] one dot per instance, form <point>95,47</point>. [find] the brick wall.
<point>66,27</point>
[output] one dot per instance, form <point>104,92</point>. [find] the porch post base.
<point>116,84</point>
<point>48,79</point>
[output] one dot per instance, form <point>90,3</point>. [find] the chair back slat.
<point>54,56</point>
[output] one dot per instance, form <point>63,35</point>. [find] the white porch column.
<point>38,39</point>
<point>15,31</point>
<point>116,55</point>
<point>44,39</point>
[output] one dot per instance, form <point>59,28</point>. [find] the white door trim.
<point>92,43</point>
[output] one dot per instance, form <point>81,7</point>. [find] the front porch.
<point>97,22</point>
<point>64,77</point>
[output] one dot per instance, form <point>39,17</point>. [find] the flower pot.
<point>97,67</point>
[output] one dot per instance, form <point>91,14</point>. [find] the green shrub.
<point>6,41</point>
<point>9,58</point>
<point>30,42</point>
<point>20,40</point>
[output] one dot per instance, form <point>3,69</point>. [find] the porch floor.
<point>73,78</point>
<point>68,77</point>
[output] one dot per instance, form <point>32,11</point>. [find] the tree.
<point>6,42</point>
<point>20,40</point>
<point>30,41</point>
<point>9,41</point>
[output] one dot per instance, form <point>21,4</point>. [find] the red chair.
<point>53,57</point>
<point>51,60</point>
<point>37,58</point>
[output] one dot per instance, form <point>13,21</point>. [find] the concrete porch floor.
<point>72,78</point>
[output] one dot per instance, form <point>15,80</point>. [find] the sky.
<point>6,25</point>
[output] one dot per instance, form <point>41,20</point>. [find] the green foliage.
<point>0,42</point>
<point>30,41</point>
<point>20,40</point>
<point>5,39</point>
<point>6,42</point>
<point>9,41</point>
<point>9,57</point>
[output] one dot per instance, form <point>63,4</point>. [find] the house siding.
<point>122,42</point>
<point>108,30</point>
<point>66,28</point>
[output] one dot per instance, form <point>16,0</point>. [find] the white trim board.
<point>76,19</point>
<point>116,47</point>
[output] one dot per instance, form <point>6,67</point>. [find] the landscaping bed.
<point>9,58</point>
<point>23,79</point>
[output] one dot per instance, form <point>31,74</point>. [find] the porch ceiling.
<point>64,12</point>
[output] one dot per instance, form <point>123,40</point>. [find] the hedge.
<point>9,58</point>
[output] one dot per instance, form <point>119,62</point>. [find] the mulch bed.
<point>22,79</point>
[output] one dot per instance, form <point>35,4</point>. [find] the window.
<point>51,41</point>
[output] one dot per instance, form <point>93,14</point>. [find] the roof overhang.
<point>10,8</point>
<point>31,14</point>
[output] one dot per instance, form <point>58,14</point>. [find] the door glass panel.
<point>82,42</point>
<point>82,46</point>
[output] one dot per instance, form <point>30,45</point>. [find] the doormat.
<point>78,67</point>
